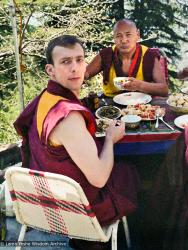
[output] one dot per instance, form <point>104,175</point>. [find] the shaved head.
<point>126,22</point>
<point>126,36</point>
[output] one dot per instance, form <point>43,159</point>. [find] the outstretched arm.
<point>94,67</point>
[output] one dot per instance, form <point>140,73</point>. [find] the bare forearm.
<point>107,154</point>
<point>160,89</point>
<point>94,67</point>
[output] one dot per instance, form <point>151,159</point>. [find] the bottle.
<point>93,101</point>
<point>2,225</point>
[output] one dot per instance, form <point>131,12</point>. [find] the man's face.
<point>69,66</point>
<point>126,36</point>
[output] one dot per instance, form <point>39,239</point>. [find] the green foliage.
<point>163,18</point>
<point>9,110</point>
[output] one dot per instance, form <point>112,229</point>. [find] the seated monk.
<point>129,58</point>
<point>59,136</point>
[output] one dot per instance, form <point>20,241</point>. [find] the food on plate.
<point>145,111</point>
<point>178,100</point>
<point>102,125</point>
<point>110,112</point>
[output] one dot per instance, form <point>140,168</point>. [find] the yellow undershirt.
<point>109,88</point>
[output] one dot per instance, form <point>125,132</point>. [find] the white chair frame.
<point>20,180</point>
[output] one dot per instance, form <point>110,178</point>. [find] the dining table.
<point>159,156</point>
<point>146,139</point>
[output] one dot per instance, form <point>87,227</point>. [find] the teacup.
<point>118,81</point>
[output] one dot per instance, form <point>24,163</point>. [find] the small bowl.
<point>118,81</point>
<point>131,121</point>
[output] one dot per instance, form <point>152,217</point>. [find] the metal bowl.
<point>131,121</point>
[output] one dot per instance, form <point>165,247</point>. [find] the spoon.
<point>105,102</point>
<point>157,114</point>
<point>161,118</point>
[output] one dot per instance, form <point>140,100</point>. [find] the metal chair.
<point>58,205</point>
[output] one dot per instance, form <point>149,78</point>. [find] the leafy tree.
<point>163,18</point>
<point>92,21</point>
<point>81,20</point>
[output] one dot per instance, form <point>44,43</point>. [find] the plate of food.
<point>132,98</point>
<point>146,111</point>
<point>178,102</point>
<point>102,125</point>
<point>181,121</point>
<point>109,112</point>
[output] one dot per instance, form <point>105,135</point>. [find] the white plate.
<point>185,90</point>
<point>181,121</point>
<point>100,114</point>
<point>132,98</point>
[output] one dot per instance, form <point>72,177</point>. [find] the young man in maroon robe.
<point>59,136</point>
<point>128,58</point>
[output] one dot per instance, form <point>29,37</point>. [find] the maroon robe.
<point>116,199</point>
<point>108,56</point>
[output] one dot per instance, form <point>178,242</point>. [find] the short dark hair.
<point>62,41</point>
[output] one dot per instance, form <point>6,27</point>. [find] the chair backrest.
<point>53,203</point>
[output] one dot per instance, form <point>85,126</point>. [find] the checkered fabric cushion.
<point>53,203</point>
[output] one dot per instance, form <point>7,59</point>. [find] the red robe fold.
<point>108,56</point>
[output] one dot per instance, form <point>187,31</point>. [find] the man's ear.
<point>49,69</point>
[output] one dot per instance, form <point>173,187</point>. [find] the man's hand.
<point>115,132</point>
<point>132,84</point>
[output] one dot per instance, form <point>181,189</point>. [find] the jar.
<point>93,101</point>
<point>2,225</point>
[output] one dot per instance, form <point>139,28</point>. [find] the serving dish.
<point>110,112</point>
<point>178,103</point>
<point>132,98</point>
<point>147,112</point>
